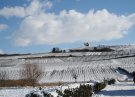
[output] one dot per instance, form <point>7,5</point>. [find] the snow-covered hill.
<point>58,67</point>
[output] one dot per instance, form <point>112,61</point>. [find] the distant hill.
<point>7,55</point>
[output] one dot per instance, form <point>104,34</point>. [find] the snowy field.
<point>22,92</point>
<point>120,89</point>
<point>14,92</point>
<point>95,66</point>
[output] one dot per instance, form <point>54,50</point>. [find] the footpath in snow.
<point>123,89</point>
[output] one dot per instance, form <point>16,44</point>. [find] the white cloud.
<point>1,51</point>
<point>72,26</point>
<point>35,7</point>
<point>40,27</point>
<point>12,11</point>
<point>3,27</point>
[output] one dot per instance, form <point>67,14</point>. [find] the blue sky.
<point>36,26</point>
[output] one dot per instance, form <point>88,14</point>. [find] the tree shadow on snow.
<point>118,92</point>
<point>124,84</point>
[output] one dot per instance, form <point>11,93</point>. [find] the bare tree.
<point>3,78</point>
<point>74,74</point>
<point>31,73</point>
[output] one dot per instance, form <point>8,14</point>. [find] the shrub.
<point>59,93</point>
<point>39,94</point>
<point>111,81</point>
<point>67,93</point>
<point>82,91</point>
<point>99,86</point>
<point>133,74</point>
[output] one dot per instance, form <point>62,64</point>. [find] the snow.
<point>122,89</point>
<point>95,66</point>
<point>22,92</point>
<point>89,66</point>
<point>14,92</point>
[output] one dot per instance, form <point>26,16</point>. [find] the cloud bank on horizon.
<point>41,27</point>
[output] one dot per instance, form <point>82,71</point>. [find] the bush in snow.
<point>111,81</point>
<point>133,74</point>
<point>82,91</point>
<point>68,93</point>
<point>99,86</point>
<point>59,93</point>
<point>39,94</point>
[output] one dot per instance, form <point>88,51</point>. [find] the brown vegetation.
<point>31,74</point>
